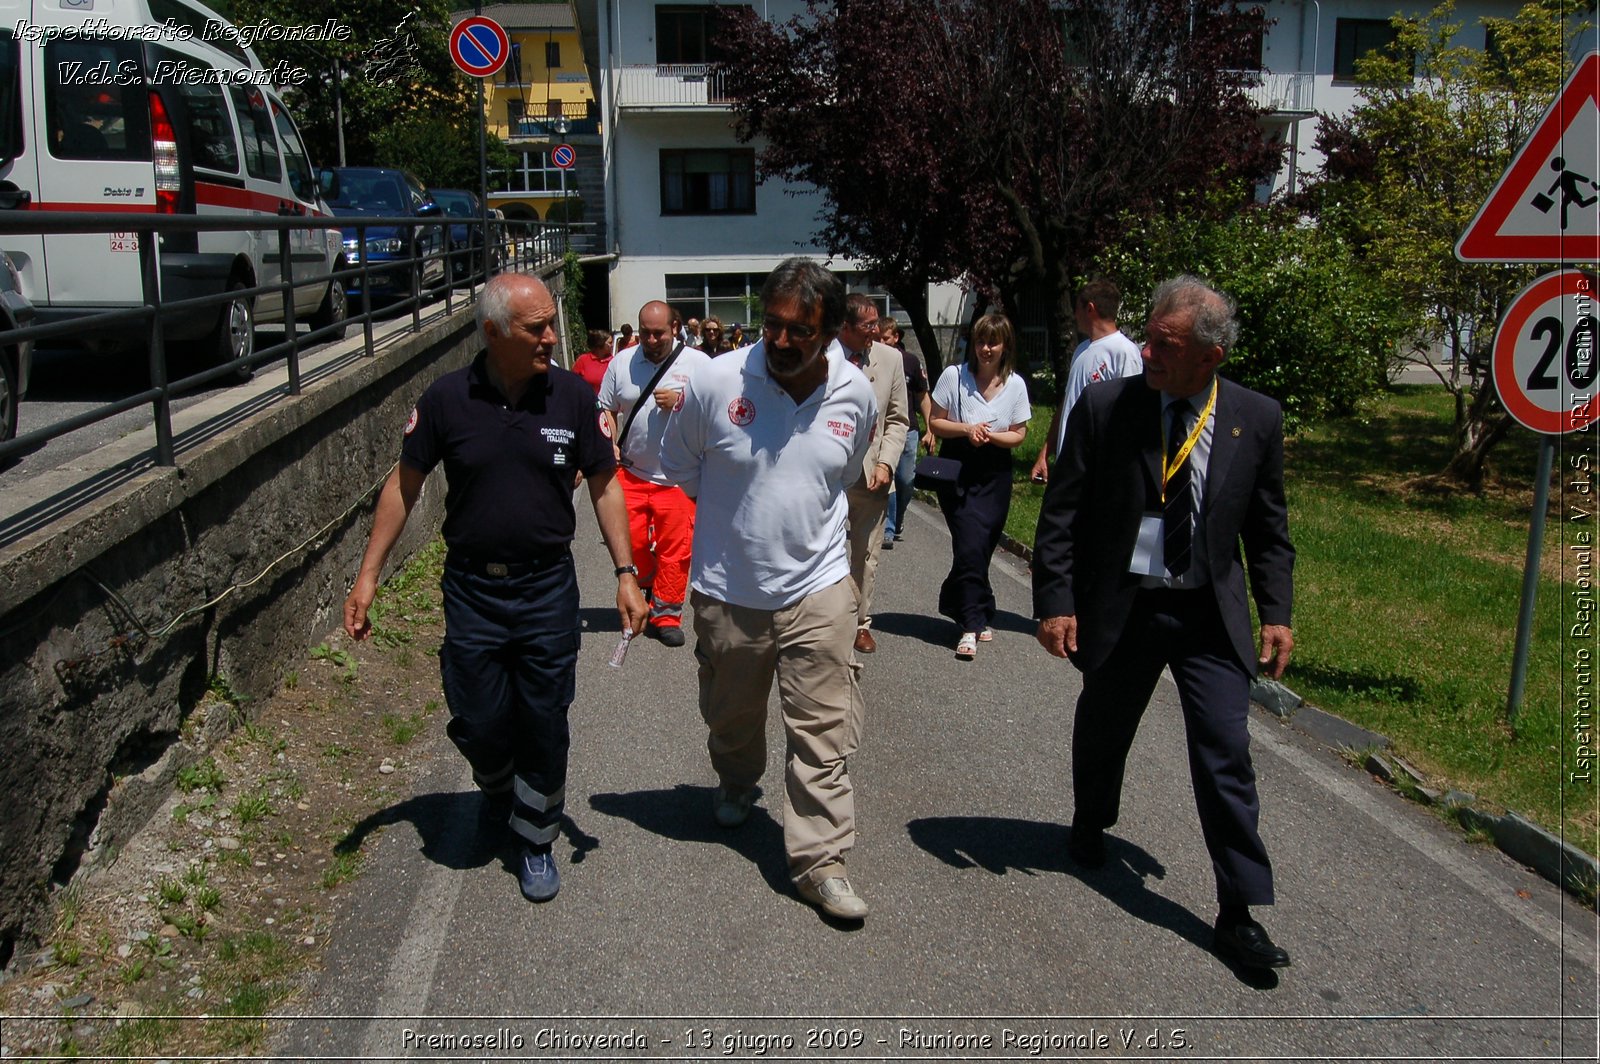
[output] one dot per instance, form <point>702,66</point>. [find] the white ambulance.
<point>150,107</point>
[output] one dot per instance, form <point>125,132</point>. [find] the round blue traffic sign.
<point>479,46</point>
<point>562,157</point>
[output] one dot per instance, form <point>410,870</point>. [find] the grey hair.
<point>494,302</point>
<point>1215,321</point>
<point>809,282</point>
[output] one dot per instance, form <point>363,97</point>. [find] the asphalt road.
<point>672,939</point>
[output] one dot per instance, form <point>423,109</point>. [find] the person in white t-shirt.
<point>768,440</point>
<point>660,515</point>
<point>981,412</point>
<point>1106,354</point>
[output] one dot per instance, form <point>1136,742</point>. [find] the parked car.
<point>380,192</point>
<point>466,236</point>
<point>16,359</point>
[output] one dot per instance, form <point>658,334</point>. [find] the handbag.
<point>935,471</point>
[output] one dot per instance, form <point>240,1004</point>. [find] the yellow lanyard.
<point>1183,452</point>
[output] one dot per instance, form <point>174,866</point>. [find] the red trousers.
<point>661,525</point>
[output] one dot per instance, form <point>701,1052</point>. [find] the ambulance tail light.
<point>165,141</point>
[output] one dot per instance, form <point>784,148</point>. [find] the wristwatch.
<point>634,569</point>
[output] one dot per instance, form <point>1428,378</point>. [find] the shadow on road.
<point>941,631</point>
<point>1002,844</point>
<point>683,814</point>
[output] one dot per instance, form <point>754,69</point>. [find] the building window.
<point>1247,50</point>
<point>729,297</point>
<point>736,297</point>
<point>552,108</point>
<point>708,181</point>
<point>688,35</point>
<point>552,54</point>
<point>1355,39</point>
<point>533,173</point>
<point>516,111</point>
<point>511,73</point>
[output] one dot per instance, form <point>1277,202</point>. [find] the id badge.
<point>1147,557</point>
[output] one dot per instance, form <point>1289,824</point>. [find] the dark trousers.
<point>508,663</point>
<point>975,512</point>
<point>1181,629</point>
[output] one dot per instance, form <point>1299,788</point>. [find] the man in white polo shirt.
<point>767,440</point>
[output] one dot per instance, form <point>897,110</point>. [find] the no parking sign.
<point>479,46</point>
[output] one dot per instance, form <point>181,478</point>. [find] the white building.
<point>1308,58</point>
<point>688,220</point>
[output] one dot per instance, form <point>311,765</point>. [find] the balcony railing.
<point>1281,93</point>
<point>551,127</point>
<point>670,85</point>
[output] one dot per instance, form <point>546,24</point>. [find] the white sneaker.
<point>967,648</point>
<point>834,896</point>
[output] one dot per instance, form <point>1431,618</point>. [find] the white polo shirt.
<point>625,379</point>
<point>769,476</point>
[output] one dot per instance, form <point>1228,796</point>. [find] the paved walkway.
<point>672,939</point>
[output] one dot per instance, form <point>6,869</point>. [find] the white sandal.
<point>986,636</point>
<point>967,648</point>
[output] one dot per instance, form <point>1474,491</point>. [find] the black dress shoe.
<point>1247,944</point>
<point>1087,847</point>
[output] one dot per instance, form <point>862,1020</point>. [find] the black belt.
<point>470,563</point>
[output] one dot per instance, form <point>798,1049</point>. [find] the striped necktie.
<point>1178,511</point>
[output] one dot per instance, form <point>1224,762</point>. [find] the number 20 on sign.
<point>1545,353</point>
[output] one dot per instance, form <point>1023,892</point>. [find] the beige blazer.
<point>886,370</point>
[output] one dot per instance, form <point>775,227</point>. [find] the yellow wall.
<point>539,82</point>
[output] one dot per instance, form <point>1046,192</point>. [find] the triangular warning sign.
<point>1546,207</point>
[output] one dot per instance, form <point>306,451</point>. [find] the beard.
<point>788,361</point>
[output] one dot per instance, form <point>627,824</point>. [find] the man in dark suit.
<point>1137,566</point>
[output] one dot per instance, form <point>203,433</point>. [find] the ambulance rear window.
<point>202,112</point>
<point>95,102</point>
<point>255,126</point>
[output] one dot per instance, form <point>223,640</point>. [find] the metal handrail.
<point>531,244</point>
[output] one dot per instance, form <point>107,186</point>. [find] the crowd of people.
<point>757,485</point>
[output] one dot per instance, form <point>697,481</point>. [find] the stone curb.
<point>1517,837</point>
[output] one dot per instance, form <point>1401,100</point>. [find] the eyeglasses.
<point>796,330</point>
<point>870,326</point>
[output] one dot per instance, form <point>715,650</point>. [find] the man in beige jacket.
<point>869,495</point>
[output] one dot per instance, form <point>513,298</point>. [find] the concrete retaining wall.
<point>98,697</point>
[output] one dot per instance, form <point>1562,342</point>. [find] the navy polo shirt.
<point>511,468</point>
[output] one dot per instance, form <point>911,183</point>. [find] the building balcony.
<point>670,86</point>
<point>552,128</point>
<point>1281,94</point>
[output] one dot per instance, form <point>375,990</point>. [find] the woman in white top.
<point>981,412</point>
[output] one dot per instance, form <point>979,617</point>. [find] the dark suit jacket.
<point>1106,479</point>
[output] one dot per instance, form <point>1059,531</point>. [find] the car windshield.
<point>372,192</point>
<point>456,206</point>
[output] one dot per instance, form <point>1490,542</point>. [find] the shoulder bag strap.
<point>649,389</point>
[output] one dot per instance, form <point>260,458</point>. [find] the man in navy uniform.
<point>1136,566</point>
<point>513,432</point>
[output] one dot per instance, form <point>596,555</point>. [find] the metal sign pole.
<point>1530,577</point>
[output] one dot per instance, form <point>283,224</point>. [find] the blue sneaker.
<point>537,875</point>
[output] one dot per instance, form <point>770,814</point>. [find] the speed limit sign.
<point>1545,364</point>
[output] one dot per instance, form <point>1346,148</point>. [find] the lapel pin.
<point>1236,432</point>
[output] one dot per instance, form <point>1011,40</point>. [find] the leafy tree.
<point>442,151</point>
<point>1000,143</point>
<point>1315,331</point>
<point>396,72</point>
<point>1437,125</point>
